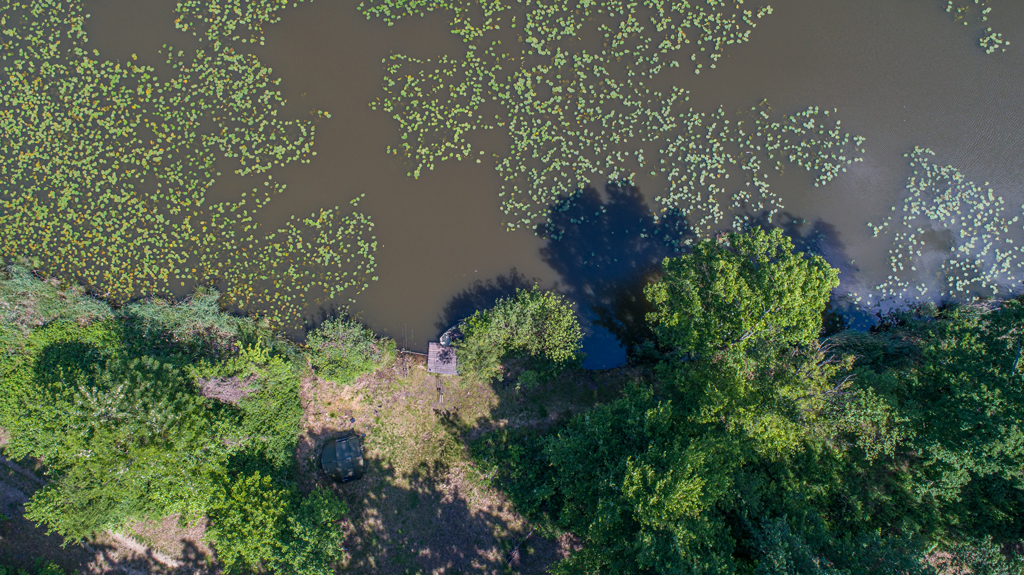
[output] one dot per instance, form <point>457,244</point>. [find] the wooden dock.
<point>441,359</point>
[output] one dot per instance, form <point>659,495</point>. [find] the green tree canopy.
<point>112,403</point>
<point>536,325</point>
<point>766,451</point>
<point>738,290</point>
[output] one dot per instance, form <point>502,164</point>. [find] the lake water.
<point>901,73</point>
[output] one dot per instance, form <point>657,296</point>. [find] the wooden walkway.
<point>441,359</point>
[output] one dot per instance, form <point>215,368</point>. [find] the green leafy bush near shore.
<point>534,326</point>
<point>341,350</point>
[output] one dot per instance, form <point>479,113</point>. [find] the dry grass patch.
<point>423,506</point>
<point>184,543</point>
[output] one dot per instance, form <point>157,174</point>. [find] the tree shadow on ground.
<point>422,522</point>
<point>606,250</point>
<point>423,505</point>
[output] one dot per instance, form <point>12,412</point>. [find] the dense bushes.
<point>341,350</point>
<point>151,410</point>
<point>536,326</point>
<point>41,568</point>
<point>890,452</point>
<point>151,443</point>
<point>259,526</point>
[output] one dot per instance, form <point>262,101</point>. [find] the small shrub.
<point>41,568</point>
<point>341,350</point>
<point>528,380</point>
<point>535,325</point>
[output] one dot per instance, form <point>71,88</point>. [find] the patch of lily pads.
<point>951,235</point>
<point>589,90</point>
<point>107,167</point>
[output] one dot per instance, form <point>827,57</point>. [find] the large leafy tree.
<point>755,448</point>
<point>739,289</point>
<point>670,478</point>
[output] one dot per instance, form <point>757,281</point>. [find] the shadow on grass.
<point>423,522</point>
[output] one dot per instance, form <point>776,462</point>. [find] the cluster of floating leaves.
<point>573,113</point>
<point>698,161</point>
<point>107,167</point>
<point>219,21</point>
<point>966,11</point>
<point>952,231</point>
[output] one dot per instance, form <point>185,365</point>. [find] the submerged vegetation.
<point>108,167</point>
<point>574,113</point>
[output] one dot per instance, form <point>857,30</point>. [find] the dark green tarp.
<point>342,458</point>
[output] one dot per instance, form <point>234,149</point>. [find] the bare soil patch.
<point>229,390</point>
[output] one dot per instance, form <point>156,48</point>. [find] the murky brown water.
<point>900,72</point>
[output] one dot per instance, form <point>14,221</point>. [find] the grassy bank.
<point>425,506</point>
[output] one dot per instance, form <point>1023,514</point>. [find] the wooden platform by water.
<point>441,359</point>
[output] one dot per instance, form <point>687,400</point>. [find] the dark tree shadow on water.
<point>480,295</point>
<point>606,251</point>
<point>821,238</point>
<point>608,248</point>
